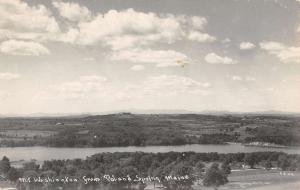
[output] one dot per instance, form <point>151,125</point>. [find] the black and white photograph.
<point>149,94</point>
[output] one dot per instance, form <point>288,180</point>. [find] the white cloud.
<point>116,29</point>
<point>93,79</point>
<point>14,47</point>
<point>198,22</point>
<point>249,78</point>
<point>241,78</point>
<point>236,78</point>
<point>137,67</point>
<point>9,76</point>
<point>200,37</point>
<point>162,58</point>
<point>283,53</point>
<point>97,87</point>
<point>72,11</point>
<point>290,55</point>
<point>81,88</point>
<point>247,46</point>
<point>172,85</point>
<point>164,86</point>
<point>226,40</point>
<point>272,47</point>
<point>128,28</point>
<point>213,58</point>
<point>21,21</point>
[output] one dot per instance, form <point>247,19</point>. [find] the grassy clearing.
<point>26,133</point>
<point>260,179</point>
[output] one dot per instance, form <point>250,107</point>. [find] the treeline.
<point>288,140</point>
<point>68,138</point>
<point>134,139</point>
<point>210,169</point>
<point>277,135</point>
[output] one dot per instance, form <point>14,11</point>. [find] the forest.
<point>131,171</point>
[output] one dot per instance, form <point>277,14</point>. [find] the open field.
<point>260,179</point>
<point>282,186</point>
<point>26,133</point>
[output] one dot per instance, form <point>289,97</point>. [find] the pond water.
<point>48,153</point>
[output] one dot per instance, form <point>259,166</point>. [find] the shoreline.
<point>251,144</point>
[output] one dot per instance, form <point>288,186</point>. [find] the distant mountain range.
<point>140,111</point>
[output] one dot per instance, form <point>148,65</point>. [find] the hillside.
<point>126,129</point>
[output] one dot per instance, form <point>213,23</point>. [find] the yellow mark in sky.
<point>181,63</point>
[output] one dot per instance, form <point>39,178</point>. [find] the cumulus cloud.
<point>236,78</point>
<point>226,40</point>
<point>284,53</point>
<point>198,22</point>
<point>213,58</point>
<point>15,47</point>
<point>272,47</point>
<point>196,33</point>
<point>200,37</point>
<point>9,76</point>
<point>130,28</point>
<point>72,11</point>
<point>116,29</point>
<point>81,88</point>
<point>247,46</point>
<point>250,78</point>
<point>127,28</point>
<point>93,79</point>
<point>21,21</point>
<point>96,87</point>
<point>166,85</point>
<point>137,67</point>
<point>290,55</point>
<point>162,58</point>
<point>241,78</point>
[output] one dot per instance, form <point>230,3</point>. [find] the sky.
<point>105,55</point>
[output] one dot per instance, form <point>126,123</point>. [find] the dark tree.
<point>13,174</point>
<point>250,160</point>
<point>31,166</point>
<point>226,168</point>
<point>283,162</point>
<point>199,168</point>
<point>267,164</point>
<point>214,177</point>
<point>4,165</point>
<point>198,171</point>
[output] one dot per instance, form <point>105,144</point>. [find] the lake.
<point>48,153</point>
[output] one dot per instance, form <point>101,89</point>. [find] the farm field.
<point>260,179</point>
